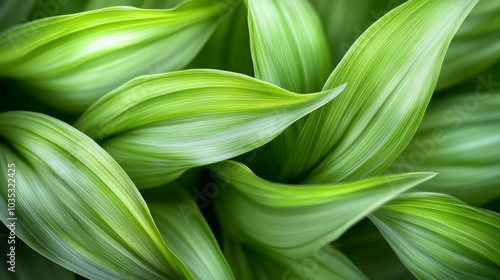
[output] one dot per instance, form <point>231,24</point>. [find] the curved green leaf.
<point>459,138</point>
<point>186,232</point>
<point>76,206</point>
<point>391,73</point>
<point>288,45</point>
<point>29,264</point>
<point>71,61</point>
<point>157,127</point>
<point>439,237</point>
<point>296,220</point>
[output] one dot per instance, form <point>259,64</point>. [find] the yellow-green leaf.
<point>391,72</point>
<point>297,220</point>
<point>157,127</point>
<point>71,61</point>
<point>75,205</point>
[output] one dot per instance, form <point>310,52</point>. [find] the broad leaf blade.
<point>437,236</point>
<point>296,220</point>
<point>76,206</point>
<point>29,264</point>
<point>71,61</point>
<point>475,48</point>
<point>157,127</point>
<point>186,233</point>
<point>391,72</point>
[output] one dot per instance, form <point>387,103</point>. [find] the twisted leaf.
<point>157,127</point>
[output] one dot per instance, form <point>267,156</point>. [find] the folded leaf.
<point>29,264</point>
<point>391,72</point>
<point>157,127</point>
<point>229,47</point>
<point>297,220</point>
<point>71,61</point>
<point>459,138</point>
<point>439,237</point>
<point>475,48</point>
<point>76,206</point>
<point>186,232</point>
<point>249,263</point>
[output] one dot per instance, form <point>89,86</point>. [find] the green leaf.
<point>186,232</point>
<point>249,263</point>
<point>71,61</point>
<point>29,264</point>
<point>229,47</point>
<point>157,127</point>
<point>459,138</point>
<point>288,45</point>
<point>296,220</point>
<point>76,206</point>
<point>439,237</point>
<point>391,72</point>
<point>475,48</point>
<point>289,50</point>
<point>145,4</point>
<point>13,11</point>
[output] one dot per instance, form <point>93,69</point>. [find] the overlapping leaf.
<point>187,234</point>
<point>391,72</point>
<point>439,237</point>
<point>229,47</point>
<point>249,263</point>
<point>288,52</point>
<point>71,61</point>
<point>293,54</point>
<point>296,220</point>
<point>156,127</point>
<point>345,21</point>
<point>76,206</point>
<point>459,138</point>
